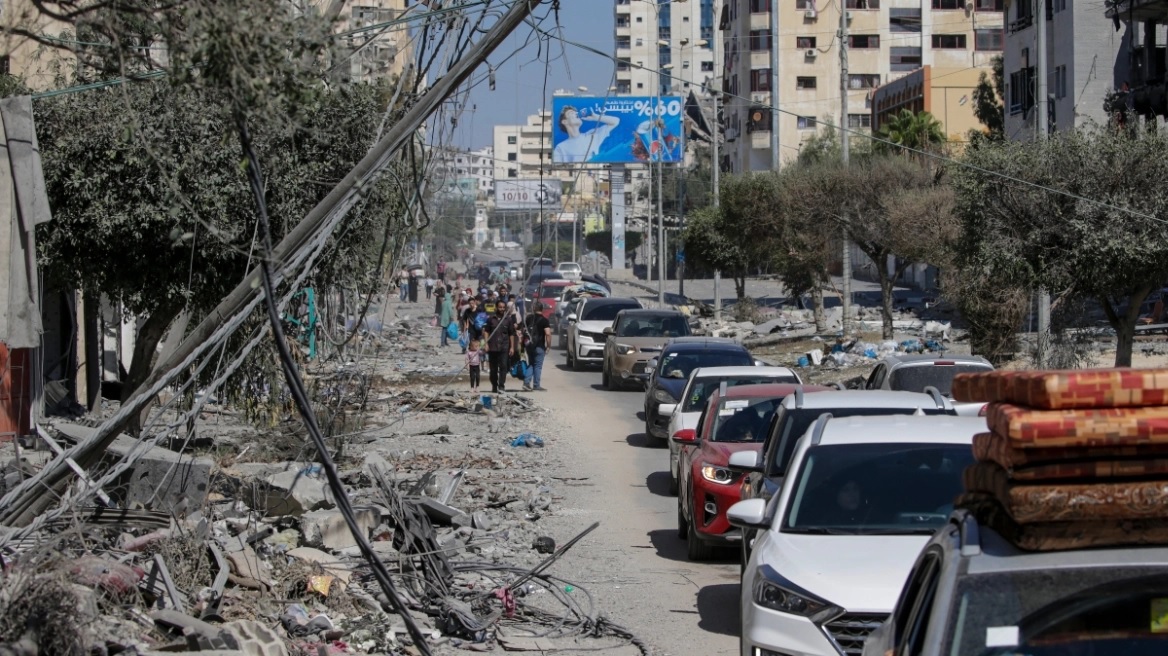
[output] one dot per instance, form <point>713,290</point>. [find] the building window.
<point>949,41</point>
<point>707,67</point>
<point>988,39</point>
<point>803,42</point>
<point>760,6</point>
<point>511,140</point>
<point>859,121</point>
<point>805,83</point>
<point>1021,90</point>
<point>863,4</point>
<point>511,157</point>
<point>622,21</point>
<point>904,58</point>
<point>863,81</point>
<point>864,41</point>
<point>628,198</point>
<point>512,173</point>
<point>1060,81</point>
<point>623,64</point>
<point>1060,5</point>
<point>760,79</point>
<point>904,20</point>
<point>806,122</point>
<point>1023,16</point>
<point>685,64</point>
<point>640,85</point>
<point>802,4</point>
<point>990,5</point>
<point>760,40</point>
<point>640,19</point>
<point>640,42</point>
<point>948,4</point>
<point>622,42</point>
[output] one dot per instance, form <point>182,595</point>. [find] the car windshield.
<point>794,423</point>
<point>917,377</point>
<point>681,365</point>
<point>604,311</point>
<point>569,267</point>
<point>653,325</point>
<point>1102,611</point>
<point>701,389</point>
<point>743,420</point>
<point>883,488</point>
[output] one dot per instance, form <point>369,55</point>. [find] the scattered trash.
<point>527,439</point>
<point>544,544</point>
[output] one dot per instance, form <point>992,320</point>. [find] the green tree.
<point>1079,213</point>
<point>601,240</point>
<point>987,103</point>
<point>919,131</point>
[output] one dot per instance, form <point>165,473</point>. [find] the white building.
<point>367,49</point>
<point>1086,58</point>
<point>887,39</point>
<point>676,38</point>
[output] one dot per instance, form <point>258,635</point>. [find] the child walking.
<point>474,360</point>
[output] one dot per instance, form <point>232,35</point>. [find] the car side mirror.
<point>685,436</point>
<point>750,513</point>
<point>608,330</point>
<point>745,461</point>
<point>572,317</point>
<point>667,409</point>
<point>759,363</point>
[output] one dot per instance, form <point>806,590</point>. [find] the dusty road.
<point>634,564</point>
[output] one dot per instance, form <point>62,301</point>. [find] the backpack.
<point>480,321</point>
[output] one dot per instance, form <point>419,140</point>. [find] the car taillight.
<point>944,363</point>
<point>982,412</point>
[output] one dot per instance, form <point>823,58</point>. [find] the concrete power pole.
<point>845,138</point>
<point>776,139</point>
<point>1043,125</point>
<point>717,135</point>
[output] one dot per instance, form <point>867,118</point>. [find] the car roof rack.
<point>722,389</point>
<point>820,424</point>
<point>969,532</point>
<point>799,396</point>
<point>937,396</point>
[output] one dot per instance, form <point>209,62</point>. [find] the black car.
<point>672,368</point>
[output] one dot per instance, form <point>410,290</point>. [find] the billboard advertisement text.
<point>525,194</point>
<point>617,129</point>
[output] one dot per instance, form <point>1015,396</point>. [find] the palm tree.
<point>919,131</point>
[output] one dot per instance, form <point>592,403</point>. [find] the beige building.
<point>946,93</point>
<point>37,64</point>
<point>887,40</point>
<point>673,38</point>
<point>368,50</point>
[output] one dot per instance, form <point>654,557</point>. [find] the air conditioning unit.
<point>849,14</point>
<point>811,53</point>
<point>811,14</point>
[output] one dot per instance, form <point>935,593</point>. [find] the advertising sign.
<point>525,194</point>
<point>617,129</point>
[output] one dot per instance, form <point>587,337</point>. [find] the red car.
<point>735,419</point>
<point>549,294</point>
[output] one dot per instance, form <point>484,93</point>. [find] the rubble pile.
<point>230,546</point>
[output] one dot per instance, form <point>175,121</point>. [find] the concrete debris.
<point>327,529</point>
<point>292,492</point>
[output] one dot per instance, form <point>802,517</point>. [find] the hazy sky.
<point>519,81</point>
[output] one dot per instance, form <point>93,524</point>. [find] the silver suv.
<point>972,592</point>
<point>916,373</point>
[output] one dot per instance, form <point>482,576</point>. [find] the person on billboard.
<point>654,143</point>
<point>582,146</point>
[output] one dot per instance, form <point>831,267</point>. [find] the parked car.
<point>532,283</point>
<point>969,584</point>
<point>565,309</point>
<point>701,383</point>
<point>549,292</point>
<point>864,496</point>
<point>669,372</point>
<point>534,263</point>
<point>569,270</point>
<point>586,336</point>
<point>913,373</point>
<point>567,303</point>
<point>734,420</point>
<point>635,337</point>
<point>766,471</point>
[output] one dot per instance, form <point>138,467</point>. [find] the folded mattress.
<point>1056,390</point>
<point>1062,535</point>
<point>1028,428</point>
<point>1029,503</point>
<point>1068,463</point>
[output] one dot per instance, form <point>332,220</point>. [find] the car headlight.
<point>719,475</point>
<point>583,336</point>
<point>663,396</point>
<point>625,349</point>
<point>769,594</point>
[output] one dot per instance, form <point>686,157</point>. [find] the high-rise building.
<point>368,48</point>
<point>1085,57</point>
<point>663,48</point>
<point>887,39</point>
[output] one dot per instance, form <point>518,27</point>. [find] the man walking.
<point>445,316</point>
<point>502,345</point>
<point>539,331</point>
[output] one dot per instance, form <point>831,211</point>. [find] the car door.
<point>685,457</point>
<point>909,622</point>
<point>876,379</point>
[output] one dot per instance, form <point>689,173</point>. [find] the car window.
<point>918,622</point>
<point>916,378</point>
<point>659,325</point>
<point>795,423</point>
<point>702,388</point>
<point>743,420</point>
<point>882,488</point>
<point>604,311</point>
<point>909,595</point>
<point>876,379</point>
<point>681,365</point>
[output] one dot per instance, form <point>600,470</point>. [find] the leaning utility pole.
<point>844,144</point>
<point>36,494</point>
<point>776,138</point>
<point>1043,126</point>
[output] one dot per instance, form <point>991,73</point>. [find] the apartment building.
<point>367,50</point>
<point>470,172</point>
<point>36,64</point>
<point>887,39</point>
<point>663,48</point>
<point>524,151</point>
<point>946,93</point>
<point>1085,56</point>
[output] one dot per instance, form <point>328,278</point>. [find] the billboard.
<point>529,194</point>
<point>617,129</point>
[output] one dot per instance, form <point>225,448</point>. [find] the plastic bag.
<point>464,340</point>
<point>519,369</point>
<point>452,330</point>
<point>527,439</point>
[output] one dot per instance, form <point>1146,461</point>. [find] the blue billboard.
<point>617,129</point>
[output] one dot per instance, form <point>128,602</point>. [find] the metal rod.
<point>846,263</point>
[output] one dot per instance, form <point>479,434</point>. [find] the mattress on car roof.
<point>1055,390</point>
<point>1139,460</point>
<point>1028,428</point>
<point>1028,502</point>
<point>1062,535</point>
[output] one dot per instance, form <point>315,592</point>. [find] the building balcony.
<point>1138,10</point>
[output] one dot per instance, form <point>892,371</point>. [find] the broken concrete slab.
<point>327,528</point>
<point>292,493</point>
<point>327,562</point>
<point>440,513</point>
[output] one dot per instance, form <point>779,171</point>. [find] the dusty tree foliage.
<point>40,608</point>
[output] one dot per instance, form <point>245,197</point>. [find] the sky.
<point>519,80</point>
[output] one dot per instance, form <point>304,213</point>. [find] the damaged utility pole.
<point>36,494</point>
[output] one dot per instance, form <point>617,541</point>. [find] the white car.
<point>916,373</point>
<point>569,270</point>
<point>863,497</point>
<point>586,326</point>
<point>702,381</point>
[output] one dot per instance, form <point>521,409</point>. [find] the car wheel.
<point>576,364</point>
<point>672,481</point>
<point>610,382</point>
<point>682,525</point>
<point>563,341</point>
<point>695,548</point>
